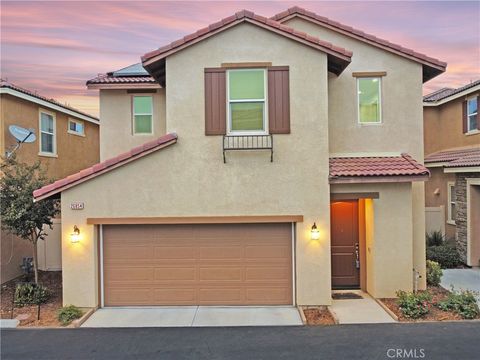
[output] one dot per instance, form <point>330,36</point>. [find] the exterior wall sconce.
<point>75,236</point>
<point>315,233</point>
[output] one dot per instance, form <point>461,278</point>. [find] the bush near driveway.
<point>435,238</point>
<point>463,303</point>
<point>69,313</point>
<point>434,273</point>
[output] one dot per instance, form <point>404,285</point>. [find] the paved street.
<point>373,341</point>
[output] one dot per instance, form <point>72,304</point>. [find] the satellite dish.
<point>22,135</point>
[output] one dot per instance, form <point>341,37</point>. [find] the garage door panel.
<point>221,273</point>
<point>175,273</point>
<point>227,264</point>
<point>174,252</point>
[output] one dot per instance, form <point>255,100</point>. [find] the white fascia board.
<point>462,169</point>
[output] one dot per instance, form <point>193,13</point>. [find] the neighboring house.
<point>452,153</point>
<point>67,140</point>
<point>330,193</point>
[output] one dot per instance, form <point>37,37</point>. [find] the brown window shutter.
<point>215,102</point>
<point>278,100</point>
<point>464,117</point>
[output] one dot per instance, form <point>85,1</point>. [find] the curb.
<point>77,323</point>
<point>387,310</point>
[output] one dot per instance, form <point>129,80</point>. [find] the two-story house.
<point>67,140</point>
<point>257,161</point>
<point>452,154</point>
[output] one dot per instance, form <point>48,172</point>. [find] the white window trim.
<point>265,107</point>
<point>40,152</point>
<point>80,122</point>
<point>473,131</point>
<point>450,185</point>
<point>133,116</point>
<point>379,101</point>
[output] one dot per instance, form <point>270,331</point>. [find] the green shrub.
<point>69,313</point>
<point>435,238</point>
<point>463,303</point>
<point>413,305</point>
<point>30,294</point>
<point>434,273</point>
<point>446,255</point>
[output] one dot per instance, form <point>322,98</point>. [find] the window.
<point>451,203</point>
<point>369,100</point>
<point>246,101</point>
<point>472,114</point>
<point>142,115</point>
<point>76,127</point>
<point>47,133</point>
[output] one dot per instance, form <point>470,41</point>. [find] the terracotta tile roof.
<point>439,65</point>
<point>447,92</point>
<point>248,16</point>
<point>447,156</point>
<point>105,166</point>
<point>110,79</point>
<point>466,161</point>
<point>8,85</point>
<point>375,166</point>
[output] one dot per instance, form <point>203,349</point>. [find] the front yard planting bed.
<point>437,294</point>
<point>318,316</point>
<point>27,315</point>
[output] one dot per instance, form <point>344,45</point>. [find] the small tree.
<point>19,213</point>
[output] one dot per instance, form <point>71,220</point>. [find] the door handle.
<point>357,257</point>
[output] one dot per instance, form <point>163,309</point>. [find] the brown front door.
<point>345,247</point>
<point>224,264</point>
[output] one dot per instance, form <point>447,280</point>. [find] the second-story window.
<point>76,127</point>
<point>47,134</point>
<point>142,115</point>
<point>247,101</point>
<point>472,114</point>
<point>369,100</point>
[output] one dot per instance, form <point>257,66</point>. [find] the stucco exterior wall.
<point>389,236</point>
<point>74,153</point>
<point>190,178</point>
<point>444,127</point>
<point>402,115</point>
<point>116,133</point>
<point>439,180</point>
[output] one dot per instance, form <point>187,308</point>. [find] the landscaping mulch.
<point>435,314</point>
<point>318,316</point>
<point>27,315</point>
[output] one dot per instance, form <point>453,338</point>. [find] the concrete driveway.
<point>462,279</point>
<point>194,316</point>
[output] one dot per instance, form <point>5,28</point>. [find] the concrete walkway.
<point>194,316</point>
<point>462,279</point>
<point>359,311</point>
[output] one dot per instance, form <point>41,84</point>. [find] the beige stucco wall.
<point>116,132</point>
<point>439,180</point>
<point>402,115</point>
<point>389,236</point>
<point>190,178</point>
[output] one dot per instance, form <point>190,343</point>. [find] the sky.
<point>54,47</point>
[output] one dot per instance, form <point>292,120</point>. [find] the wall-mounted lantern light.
<point>315,233</point>
<point>75,236</point>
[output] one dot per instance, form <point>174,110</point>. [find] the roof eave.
<point>377,179</point>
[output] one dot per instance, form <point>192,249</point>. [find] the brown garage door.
<point>227,264</point>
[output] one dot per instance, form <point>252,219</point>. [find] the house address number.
<point>77,206</point>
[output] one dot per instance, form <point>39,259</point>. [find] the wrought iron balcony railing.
<point>247,142</point>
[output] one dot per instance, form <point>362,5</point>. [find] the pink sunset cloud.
<point>55,47</point>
